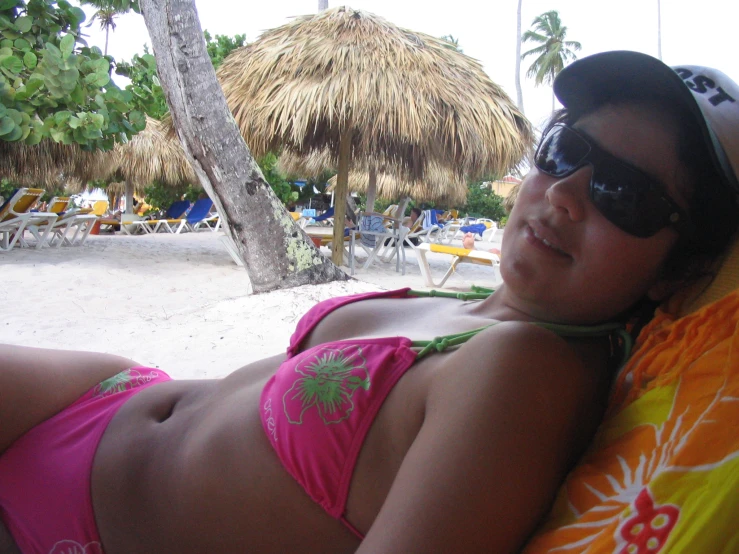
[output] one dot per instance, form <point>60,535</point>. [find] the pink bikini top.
<point>318,407</point>
<point>321,402</point>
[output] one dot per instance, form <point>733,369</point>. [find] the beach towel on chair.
<point>373,224</point>
<point>663,472</point>
<point>475,228</point>
<point>429,219</point>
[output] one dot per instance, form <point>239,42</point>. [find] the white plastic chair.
<point>378,241</point>
<point>15,215</point>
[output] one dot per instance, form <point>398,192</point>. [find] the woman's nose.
<point>571,193</point>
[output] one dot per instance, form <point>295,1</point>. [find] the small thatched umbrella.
<point>439,186</point>
<point>52,165</point>
<point>510,200</point>
<point>152,155</point>
<point>354,84</point>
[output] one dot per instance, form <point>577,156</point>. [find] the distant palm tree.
<point>106,14</point>
<point>553,51</point>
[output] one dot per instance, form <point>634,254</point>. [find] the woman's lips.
<point>544,241</point>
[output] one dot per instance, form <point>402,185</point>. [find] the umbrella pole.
<point>371,188</point>
<point>342,187</point>
<point>129,197</point>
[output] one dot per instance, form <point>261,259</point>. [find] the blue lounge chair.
<point>200,210</point>
<point>173,215</point>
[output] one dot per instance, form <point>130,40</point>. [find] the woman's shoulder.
<point>520,359</point>
<point>519,344</point>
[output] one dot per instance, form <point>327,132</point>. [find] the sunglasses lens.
<point>561,152</point>
<point>628,199</point>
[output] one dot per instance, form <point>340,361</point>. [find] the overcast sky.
<point>693,31</point>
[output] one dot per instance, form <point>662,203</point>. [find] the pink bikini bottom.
<point>45,499</point>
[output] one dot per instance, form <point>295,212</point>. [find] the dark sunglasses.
<point>628,198</point>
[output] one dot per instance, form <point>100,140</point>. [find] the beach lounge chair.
<point>41,224</point>
<point>424,229</point>
<point>72,228</point>
<point>489,233</point>
<point>457,256</point>
<point>326,218</point>
<point>452,229</point>
<point>99,207</point>
<point>212,222</point>
<point>381,238</point>
<point>173,215</point>
<point>305,217</point>
<point>15,214</point>
<point>198,212</point>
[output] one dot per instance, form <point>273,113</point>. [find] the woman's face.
<point>562,259</point>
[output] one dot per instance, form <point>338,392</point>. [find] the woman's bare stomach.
<point>185,466</point>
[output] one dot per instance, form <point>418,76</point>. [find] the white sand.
<point>177,302</point>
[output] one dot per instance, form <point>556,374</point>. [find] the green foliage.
<point>6,188</point>
<point>281,187</point>
<point>145,87</point>
<point>161,196</point>
<point>221,46</point>
<point>147,92</point>
<point>52,85</point>
<point>483,202</point>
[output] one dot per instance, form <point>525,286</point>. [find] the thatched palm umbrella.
<point>154,154</point>
<point>52,165</point>
<point>354,84</point>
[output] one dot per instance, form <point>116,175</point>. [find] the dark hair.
<point>713,207</point>
<point>417,211</point>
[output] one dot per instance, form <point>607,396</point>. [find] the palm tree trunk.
<point>275,251</point>
<point>519,92</point>
<point>107,32</point>
<point>322,5</point>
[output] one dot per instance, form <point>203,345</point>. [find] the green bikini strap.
<point>478,293</point>
<point>441,343</point>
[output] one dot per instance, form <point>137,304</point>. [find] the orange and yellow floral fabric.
<point>663,473</point>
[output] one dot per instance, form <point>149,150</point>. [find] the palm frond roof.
<point>408,98</point>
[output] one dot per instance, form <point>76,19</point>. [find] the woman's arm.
<point>36,383</point>
<point>503,421</point>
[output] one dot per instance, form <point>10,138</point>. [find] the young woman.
<point>370,435</point>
